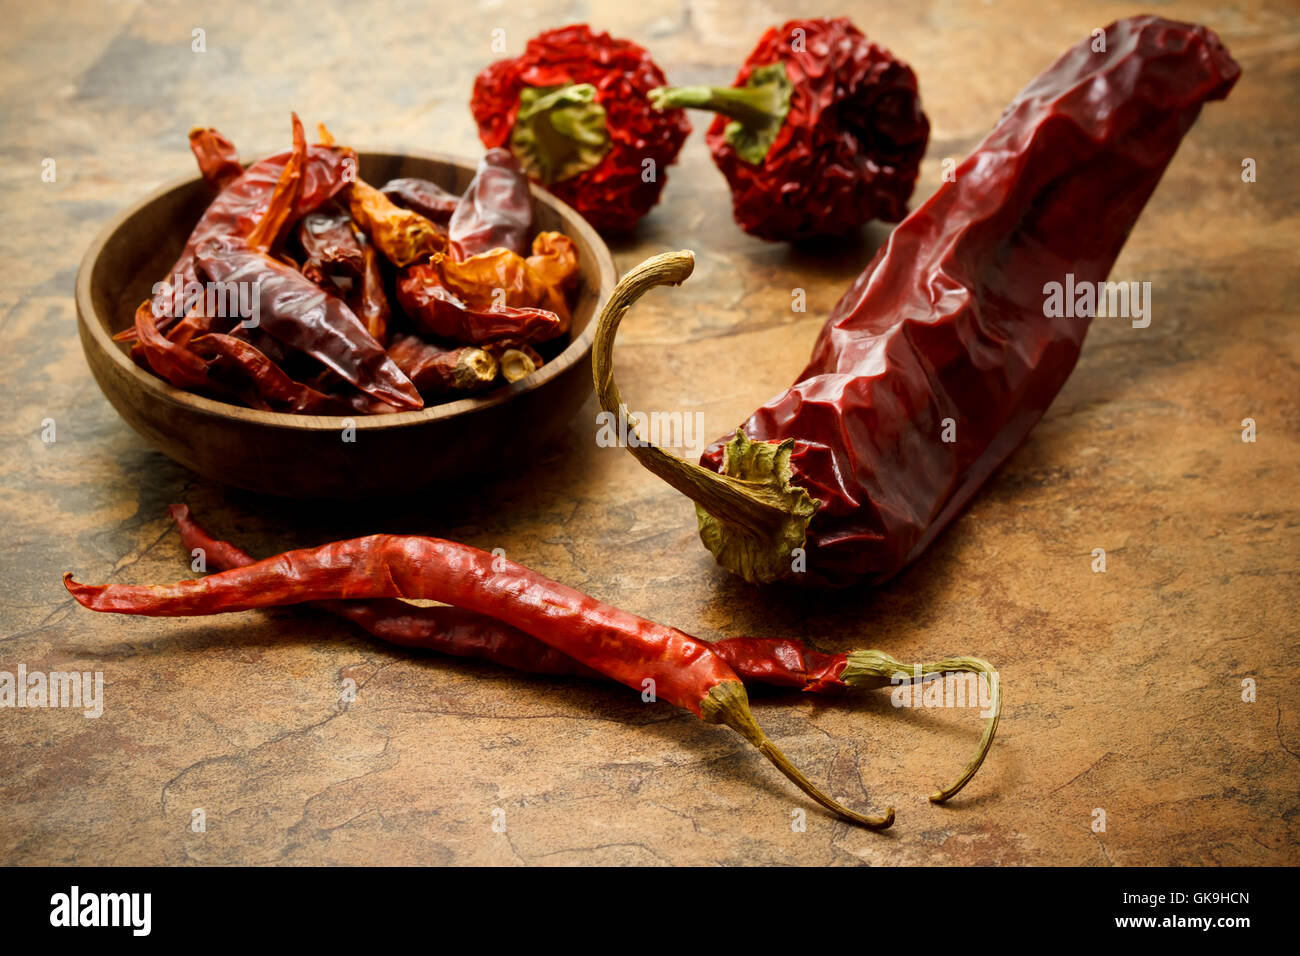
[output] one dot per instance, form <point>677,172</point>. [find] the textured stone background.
<point>1123,688</point>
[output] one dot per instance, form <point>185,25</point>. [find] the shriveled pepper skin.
<point>758,660</point>
<point>618,644</point>
<point>243,203</point>
<point>299,314</point>
<point>947,322</point>
<point>615,193</point>
<point>850,147</point>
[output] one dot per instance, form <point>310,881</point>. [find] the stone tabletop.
<point>1151,713</point>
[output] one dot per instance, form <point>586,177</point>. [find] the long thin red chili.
<point>620,645</point>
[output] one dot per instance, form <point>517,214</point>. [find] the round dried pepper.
<point>574,111</point>
<point>821,132</point>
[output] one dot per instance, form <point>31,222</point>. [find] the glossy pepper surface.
<point>821,132</point>
<point>944,353</point>
<point>574,111</point>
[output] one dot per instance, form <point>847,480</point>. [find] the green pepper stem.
<point>727,703</point>
<point>758,108</point>
<point>559,132</point>
<point>752,517</point>
<point>753,106</point>
<point>869,668</point>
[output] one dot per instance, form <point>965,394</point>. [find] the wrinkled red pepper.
<point>574,110</point>
<point>496,211</point>
<point>428,199</point>
<point>242,204</point>
<point>441,313</point>
<point>942,356</point>
<point>821,132</point>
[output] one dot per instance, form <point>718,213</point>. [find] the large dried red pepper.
<point>629,649</point>
<point>821,132</point>
<point>574,110</point>
<point>775,661</point>
<point>942,356</point>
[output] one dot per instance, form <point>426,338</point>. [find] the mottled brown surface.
<point>1124,688</point>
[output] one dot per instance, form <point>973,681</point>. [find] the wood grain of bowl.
<point>305,455</point>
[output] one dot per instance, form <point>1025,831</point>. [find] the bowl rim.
<point>580,346</point>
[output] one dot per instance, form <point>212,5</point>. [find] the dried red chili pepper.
<point>331,246</point>
<point>402,235</point>
<point>821,132</point>
<point>437,371</point>
<point>428,199</point>
<point>496,211</point>
<point>441,313</point>
<point>341,260</point>
<point>299,314</point>
<point>217,157</point>
<point>573,109</point>
<point>502,277</point>
<point>243,203</point>
<point>619,645</point>
<point>268,386</point>
<point>946,325</point>
<point>780,662</point>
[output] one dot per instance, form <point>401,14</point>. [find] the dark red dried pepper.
<point>496,211</point>
<point>821,132</point>
<point>438,372</point>
<point>428,199</point>
<point>619,645</point>
<point>846,476</point>
<point>574,109</point>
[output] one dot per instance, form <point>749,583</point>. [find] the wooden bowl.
<point>306,455</point>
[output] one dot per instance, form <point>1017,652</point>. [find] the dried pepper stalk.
<point>848,469</point>
<point>779,662</point>
<point>428,199</point>
<point>436,371</point>
<point>574,111</point>
<point>518,364</point>
<point>496,211</point>
<point>821,132</point>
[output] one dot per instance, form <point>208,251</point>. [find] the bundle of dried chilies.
<point>280,298</point>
